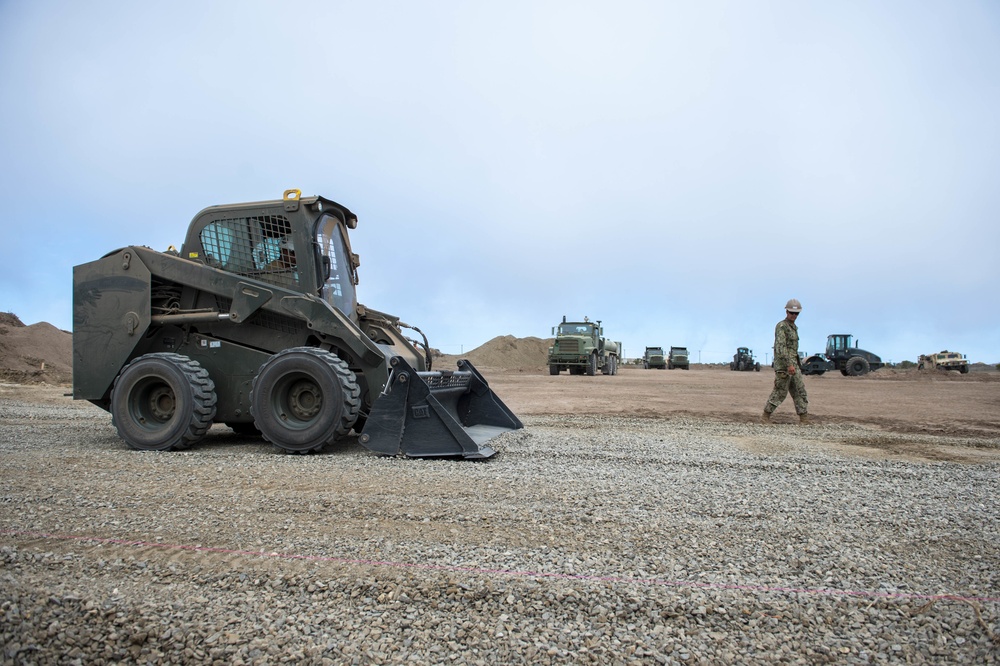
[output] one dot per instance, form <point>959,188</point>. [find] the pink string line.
<point>867,594</point>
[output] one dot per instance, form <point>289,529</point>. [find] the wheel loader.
<point>255,323</point>
<point>842,354</point>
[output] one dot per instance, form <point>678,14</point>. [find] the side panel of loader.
<point>111,313</point>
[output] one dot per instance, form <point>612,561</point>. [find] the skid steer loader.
<point>255,323</point>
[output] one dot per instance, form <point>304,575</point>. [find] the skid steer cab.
<point>255,324</point>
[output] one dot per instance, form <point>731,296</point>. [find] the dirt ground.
<point>933,407</point>
<point>247,532</point>
<point>939,404</point>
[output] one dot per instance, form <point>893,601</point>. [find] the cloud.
<point>676,170</point>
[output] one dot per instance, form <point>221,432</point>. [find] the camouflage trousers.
<point>785,384</point>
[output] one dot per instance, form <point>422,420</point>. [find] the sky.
<point>677,170</point>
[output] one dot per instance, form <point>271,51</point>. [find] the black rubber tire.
<point>964,370</point>
<point>592,365</point>
<point>304,398</point>
<point>920,366</point>
<point>162,402</point>
<point>553,369</point>
<point>857,366</point>
<point>756,367</point>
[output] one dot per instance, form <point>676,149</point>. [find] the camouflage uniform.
<point>786,353</point>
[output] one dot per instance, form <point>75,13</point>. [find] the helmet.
<point>793,306</point>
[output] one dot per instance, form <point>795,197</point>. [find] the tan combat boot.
<point>804,419</point>
<point>766,418</point>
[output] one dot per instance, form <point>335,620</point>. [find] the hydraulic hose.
<point>424,344</point>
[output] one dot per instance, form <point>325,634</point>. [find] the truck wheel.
<point>857,365</point>
<point>592,365</point>
<point>553,369</point>
<point>304,398</point>
<point>162,402</point>
<point>756,367</point>
<point>964,369</point>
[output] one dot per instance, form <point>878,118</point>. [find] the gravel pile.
<point>586,540</point>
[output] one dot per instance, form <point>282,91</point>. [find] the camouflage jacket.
<point>786,345</point>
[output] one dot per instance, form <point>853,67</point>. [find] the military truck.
<point>678,358</point>
<point>743,360</point>
<point>944,360</point>
<point>654,358</point>
<point>255,323</point>
<point>581,348</point>
<point>841,354</point>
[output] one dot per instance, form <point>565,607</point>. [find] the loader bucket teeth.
<point>436,414</point>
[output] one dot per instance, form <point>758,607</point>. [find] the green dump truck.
<point>678,358</point>
<point>654,358</point>
<point>581,348</point>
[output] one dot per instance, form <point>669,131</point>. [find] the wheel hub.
<point>305,400</point>
<point>162,403</point>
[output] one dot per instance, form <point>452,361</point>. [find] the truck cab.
<point>654,358</point>
<point>678,358</point>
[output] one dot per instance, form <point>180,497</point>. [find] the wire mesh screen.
<point>260,247</point>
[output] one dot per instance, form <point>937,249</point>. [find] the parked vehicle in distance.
<point>842,354</point>
<point>654,358</point>
<point>944,360</point>
<point>743,360</point>
<point>815,364</point>
<point>678,358</point>
<point>581,348</point>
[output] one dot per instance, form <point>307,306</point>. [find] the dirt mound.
<point>504,352</point>
<point>10,319</point>
<point>34,354</point>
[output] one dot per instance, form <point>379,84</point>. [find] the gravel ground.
<point>585,540</point>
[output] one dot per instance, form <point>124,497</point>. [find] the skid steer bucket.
<point>436,414</point>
